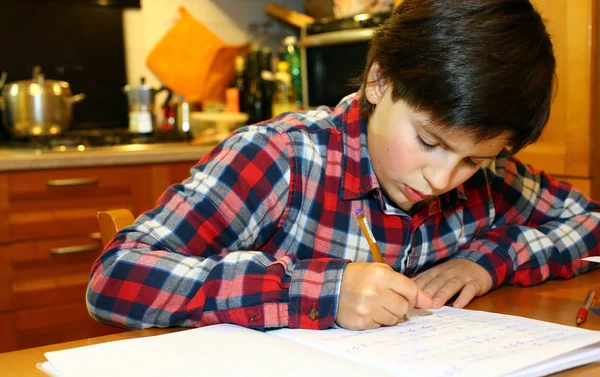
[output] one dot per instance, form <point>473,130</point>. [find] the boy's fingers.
<point>405,287</point>
<point>449,289</point>
<point>394,303</point>
<point>434,285</point>
<point>466,295</point>
<point>423,279</point>
<point>385,318</point>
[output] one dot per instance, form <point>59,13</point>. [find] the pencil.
<point>583,311</point>
<point>362,222</point>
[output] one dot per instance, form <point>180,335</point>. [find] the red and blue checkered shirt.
<point>261,231</point>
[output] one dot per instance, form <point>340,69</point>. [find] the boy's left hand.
<point>447,279</point>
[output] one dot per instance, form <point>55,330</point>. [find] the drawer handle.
<point>75,249</point>
<point>96,236</point>
<point>72,182</point>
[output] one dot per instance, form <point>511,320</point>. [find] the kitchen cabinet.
<point>49,239</point>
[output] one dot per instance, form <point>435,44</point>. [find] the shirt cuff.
<point>314,292</point>
<point>489,255</point>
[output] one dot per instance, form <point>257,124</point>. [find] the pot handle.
<point>76,98</point>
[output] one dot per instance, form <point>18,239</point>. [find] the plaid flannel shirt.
<point>261,231</point>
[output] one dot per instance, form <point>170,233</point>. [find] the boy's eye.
<point>424,144</point>
<point>471,162</point>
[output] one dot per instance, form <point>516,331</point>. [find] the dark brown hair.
<point>480,67</point>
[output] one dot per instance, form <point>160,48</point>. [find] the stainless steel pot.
<point>37,107</point>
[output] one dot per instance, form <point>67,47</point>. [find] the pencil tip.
<point>358,211</point>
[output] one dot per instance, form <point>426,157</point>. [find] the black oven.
<point>334,53</point>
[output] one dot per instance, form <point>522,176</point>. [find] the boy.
<point>263,233</point>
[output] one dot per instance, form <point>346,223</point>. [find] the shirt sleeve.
<point>541,227</point>
<point>194,259</point>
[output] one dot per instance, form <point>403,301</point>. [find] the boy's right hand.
<point>374,295</point>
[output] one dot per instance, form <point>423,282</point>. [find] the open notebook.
<point>451,342</point>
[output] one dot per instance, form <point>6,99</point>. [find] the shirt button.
<point>313,314</point>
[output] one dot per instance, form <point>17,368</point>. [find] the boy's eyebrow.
<point>439,139</point>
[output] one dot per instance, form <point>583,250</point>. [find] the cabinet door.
<point>564,149</point>
<point>7,332</point>
<point>57,324</point>
<point>64,202</point>
<point>52,271</point>
<point>164,175</point>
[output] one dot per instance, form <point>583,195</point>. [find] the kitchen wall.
<point>229,19</point>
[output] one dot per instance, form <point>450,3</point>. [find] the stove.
<point>82,140</point>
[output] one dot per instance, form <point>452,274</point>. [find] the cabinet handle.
<point>96,236</point>
<point>72,182</point>
<point>75,249</point>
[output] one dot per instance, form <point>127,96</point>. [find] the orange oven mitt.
<point>193,61</point>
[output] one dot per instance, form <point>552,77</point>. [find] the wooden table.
<point>553,301</point>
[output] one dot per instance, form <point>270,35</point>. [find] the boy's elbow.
<point>101,303</point>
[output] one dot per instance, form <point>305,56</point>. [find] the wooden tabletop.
<point>553,301</point>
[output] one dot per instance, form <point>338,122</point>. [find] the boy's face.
<point>413,160</point>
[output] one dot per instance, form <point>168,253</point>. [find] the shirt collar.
<point>358,177</point>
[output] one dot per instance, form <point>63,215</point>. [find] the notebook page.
<point>453,342</point>
<point>219,350</point>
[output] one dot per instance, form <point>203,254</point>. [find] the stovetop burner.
<point>84,139</point>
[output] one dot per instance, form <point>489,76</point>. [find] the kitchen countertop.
<point>15,159</point>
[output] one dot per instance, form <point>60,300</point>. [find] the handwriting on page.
<point>449,342</point>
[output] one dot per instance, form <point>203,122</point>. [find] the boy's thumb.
<point>424,301</point>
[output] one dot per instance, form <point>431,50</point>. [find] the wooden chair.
<point>112,221</point>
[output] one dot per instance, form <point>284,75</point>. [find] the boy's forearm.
<point>526,256</point>
<point>140,288</point>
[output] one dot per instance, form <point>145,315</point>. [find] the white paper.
<point>592,259</point>
<point>48,369</point>
<point>450,342</point>
<point>220,350</point>
<point>454,342</point>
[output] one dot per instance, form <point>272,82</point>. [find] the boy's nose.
<point>439,176</point>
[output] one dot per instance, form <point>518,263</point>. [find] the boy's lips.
<point>413,194</point>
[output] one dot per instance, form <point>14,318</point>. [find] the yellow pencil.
<point>362,222</point>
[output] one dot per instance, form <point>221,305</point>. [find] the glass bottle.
<point>254,97</point>
<point>235,94</point>
<point>292,56</point>
<point>284,98</point>
<point>266,72</point>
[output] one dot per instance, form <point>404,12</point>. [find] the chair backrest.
<point>112,221</point>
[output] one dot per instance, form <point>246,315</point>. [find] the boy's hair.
<point>482,67</point>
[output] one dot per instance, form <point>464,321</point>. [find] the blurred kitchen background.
<point>193,68</point>
<point>100,46</point>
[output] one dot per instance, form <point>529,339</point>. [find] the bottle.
<point>235,94</point>
<point>292,56</point>
<point>284,98</point>
<point>266,73</point>
<point>254,98</point>
<point>182,114</point>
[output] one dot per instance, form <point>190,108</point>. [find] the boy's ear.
<point>375,84</point>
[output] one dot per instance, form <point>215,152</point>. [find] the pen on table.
<point>362,222</point>
<point>583,311</point>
